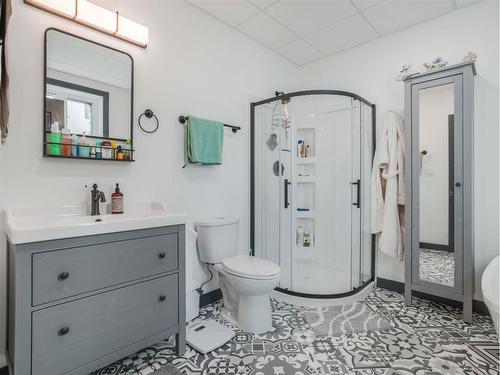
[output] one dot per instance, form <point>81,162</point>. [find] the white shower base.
<point>319,278</point>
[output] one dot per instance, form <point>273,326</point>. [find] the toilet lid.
<point>251,267</point>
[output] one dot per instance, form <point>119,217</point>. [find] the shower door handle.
<point>358,192</point>
<point>287,184</point>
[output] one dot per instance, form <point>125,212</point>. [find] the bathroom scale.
<point>207,335</point>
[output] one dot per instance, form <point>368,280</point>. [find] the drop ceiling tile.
<point>394,15</point>
<point>464,3</point>
<point>267,31</point>
<point>342,35</point>
<point>263,4</point>
<point>305,17</point>
<point>364,4</point>
<point>300,52</point>
<point>232,12</point>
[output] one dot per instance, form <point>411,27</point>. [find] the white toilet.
<point>245,281</point>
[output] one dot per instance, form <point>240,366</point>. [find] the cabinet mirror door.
<point>437,246</point>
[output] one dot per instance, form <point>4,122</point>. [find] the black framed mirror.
<point>88,99</point>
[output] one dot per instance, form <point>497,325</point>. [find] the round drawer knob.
<point>162,255</point>
<point>162,298</point>
<point>63,331</point>
<point>63,276</point>
<point>458,184</point>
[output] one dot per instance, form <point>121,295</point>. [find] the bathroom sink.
<point>30,225</point>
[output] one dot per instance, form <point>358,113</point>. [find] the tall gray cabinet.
<point>78,304</point>
<point>439,243</point>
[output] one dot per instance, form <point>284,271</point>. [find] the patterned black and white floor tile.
<point>426,338</point>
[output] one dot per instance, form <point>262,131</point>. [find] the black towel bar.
<point>234,129</point>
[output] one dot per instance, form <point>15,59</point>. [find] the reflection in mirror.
<point>436,255</point>
<point>88,98</point>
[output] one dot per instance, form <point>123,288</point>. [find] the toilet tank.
<point>217,239</point>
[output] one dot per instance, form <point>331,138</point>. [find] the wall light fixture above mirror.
<point>96,17</point>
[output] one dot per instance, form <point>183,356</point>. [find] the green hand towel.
<point>203,141</point>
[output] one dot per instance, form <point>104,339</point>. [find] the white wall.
<point>370,71</point>
<point>193,65</point>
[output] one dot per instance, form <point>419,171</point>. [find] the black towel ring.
<point>149,114</point>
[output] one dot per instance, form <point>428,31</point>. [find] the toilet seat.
<point>251,267</point>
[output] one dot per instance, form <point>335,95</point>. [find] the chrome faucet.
<point>95,197</point>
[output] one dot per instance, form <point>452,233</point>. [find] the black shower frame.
<point>252,180</point>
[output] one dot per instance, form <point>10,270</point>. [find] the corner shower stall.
<point>311,155</point>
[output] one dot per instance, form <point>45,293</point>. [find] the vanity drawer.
<point>73,334</point>
<point>64,273</point>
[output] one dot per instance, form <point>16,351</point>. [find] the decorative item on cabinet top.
<point>96,17</point>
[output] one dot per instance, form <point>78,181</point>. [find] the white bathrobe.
<point>388,163</point>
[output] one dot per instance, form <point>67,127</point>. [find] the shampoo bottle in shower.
<point>300,142</point>
<point>300,236</point>
<point>117,201</point>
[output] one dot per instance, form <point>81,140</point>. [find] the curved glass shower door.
<point>272,158</point>
<point>310,190</point>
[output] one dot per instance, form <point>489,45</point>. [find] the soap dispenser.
<point>117,201</point>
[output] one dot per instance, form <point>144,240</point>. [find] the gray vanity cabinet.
<point>78,304</point>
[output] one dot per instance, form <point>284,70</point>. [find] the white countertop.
<point>43,224</point>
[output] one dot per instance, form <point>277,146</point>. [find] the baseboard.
<point>396,286</point>
<point>4,370</point>
<point>210,297</point>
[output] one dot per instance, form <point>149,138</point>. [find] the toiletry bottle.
<point>119,153</point>
<point>113,149</point>
<point>306,240</point>
<point>83,147</point>
<point>300,142</point>
<point>308,151</point>
<point>117,201</point>
<point>66,141</point>
<point>300,236</point>
<point>55,139</point>
<point>128,149</point>
<point>74,145</point>
<point>106,149</point>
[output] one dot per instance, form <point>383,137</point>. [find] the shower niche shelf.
<point>306,172</point>
<point>305,214</point>
<point>305,180</point>
<point>308,135</point>
<point>305,194</point>
<point>308,225</point>
<point>309,160</point>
